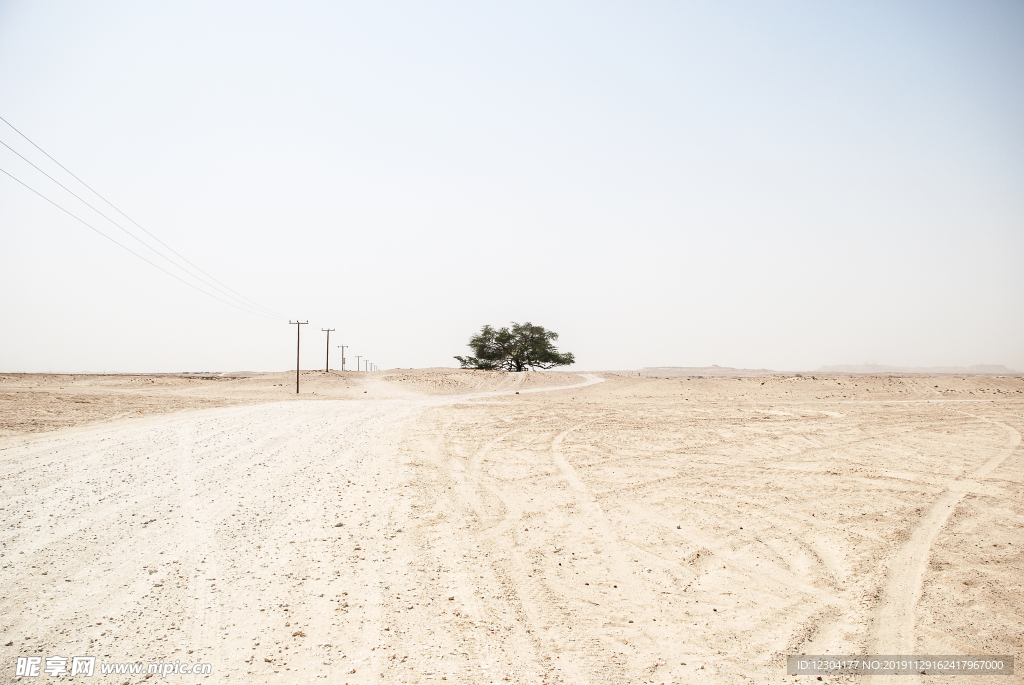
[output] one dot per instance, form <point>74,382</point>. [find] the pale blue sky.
<point>779,185</point>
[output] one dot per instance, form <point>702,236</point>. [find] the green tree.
<point>522,347</point>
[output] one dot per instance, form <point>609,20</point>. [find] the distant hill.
<point>976,370</point>
<point>713,371</point>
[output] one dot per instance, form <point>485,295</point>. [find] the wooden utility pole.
<point>342,356</point>
<point>298,328</point>
<point>358,357</point>
<point>327,364</point>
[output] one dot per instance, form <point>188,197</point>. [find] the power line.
<point>129,233</point>
<point>132,235</point>
<point>128,249</point>
<point>250,302</point>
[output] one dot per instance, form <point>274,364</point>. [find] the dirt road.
<point>628,531</point>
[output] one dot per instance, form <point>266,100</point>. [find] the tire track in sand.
<point>664,646</point>
<point>595,514</point>
<point>893,630</point>
<point>533,601</point>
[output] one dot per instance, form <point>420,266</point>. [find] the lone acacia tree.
<point>523,347</point>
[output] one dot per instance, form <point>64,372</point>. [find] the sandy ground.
<point>37,403</point>
<point>421,526</point>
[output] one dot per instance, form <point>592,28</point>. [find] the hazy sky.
<point>779,185</point>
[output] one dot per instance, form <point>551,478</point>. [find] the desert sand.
<point>477,527</point>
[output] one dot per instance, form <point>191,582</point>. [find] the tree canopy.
<point>522,347</point>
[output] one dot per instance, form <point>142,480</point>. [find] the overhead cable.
<point>129,233</point>
<point>235,296</point>
<point>128,249</point>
